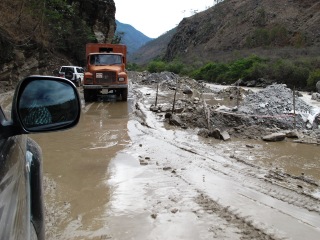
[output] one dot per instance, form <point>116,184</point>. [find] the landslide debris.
<point>258,113</point>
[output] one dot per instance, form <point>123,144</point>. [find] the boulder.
<point>225,136</point>
<point>274,137</point>
<point>315,96</point>
<point>175,120</point>
<point>292,134</point>
<point>203,133</point>
<point>215,133</point>
<point>187,90</point>
<point>318,86</point>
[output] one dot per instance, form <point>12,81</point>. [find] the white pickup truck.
<point>73,73</point>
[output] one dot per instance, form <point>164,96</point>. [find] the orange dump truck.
<point>105,71</point>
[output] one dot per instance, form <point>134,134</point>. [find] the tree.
<point>117,38</point>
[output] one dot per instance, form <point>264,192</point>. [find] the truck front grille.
<point>105,77</point>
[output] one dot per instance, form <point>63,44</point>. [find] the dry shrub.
<point>22,20</point>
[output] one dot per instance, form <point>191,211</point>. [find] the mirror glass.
<point>48,104</point>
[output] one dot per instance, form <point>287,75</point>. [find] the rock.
<point>239,82</point>
<point>187,90</point>
<point>154,108</point>
<point>203,132</point>
<point>251,83</point>
<point>315,96</point>
<point>166,108</point>
<point>225,136</point>
<point>215,133</point>
<point>275,137</point>
<point>178,109</point>
<point>168,115</point>
<point>318,86</point>
<point>175,120</point>
<point>292,134</point>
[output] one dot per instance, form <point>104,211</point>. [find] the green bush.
<point>278,36</point>
<point>133,67</point>
<point>156,66</point>
<point>241,68</point>
<point>313,78</point>
<point>260,37</point>
<point>302,74</point>
<point>257,70</point>
<point>175,67</point>
<point>263,37</point>
<point>228,73</point>
<point>210,72</point>
<point>289,72</point>
<point>70,32</point>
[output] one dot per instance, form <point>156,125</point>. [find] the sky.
<point>154,18</point>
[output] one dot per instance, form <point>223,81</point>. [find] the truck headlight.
<point>121,79</point>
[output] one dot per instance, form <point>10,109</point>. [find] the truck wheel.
<point>78,82</point>
<point>124,94</point>
<point>90,95</point>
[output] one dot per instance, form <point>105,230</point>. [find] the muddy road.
<point>76,171</point>
<point>124,173</point>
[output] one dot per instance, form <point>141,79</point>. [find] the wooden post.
<point>174,100</point>
<point>238,93</point>
<point>157,95</point>
<point>294,108</point>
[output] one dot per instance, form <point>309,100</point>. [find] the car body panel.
<point>21,194</point>
<point>14,189</point>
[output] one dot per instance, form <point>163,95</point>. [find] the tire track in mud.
<point>251,176</point>
<point>257,178</point>
<point>227,223</point>
<point>245,226</point>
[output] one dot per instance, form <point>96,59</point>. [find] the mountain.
<point>154,49</point>
<point>43,35</point>
<point>131,37</point>
<point>238,28</point>
<point>39,38</point>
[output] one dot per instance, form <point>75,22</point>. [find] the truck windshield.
<point>105,59</point>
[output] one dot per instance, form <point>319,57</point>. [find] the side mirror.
<point>44,104</point>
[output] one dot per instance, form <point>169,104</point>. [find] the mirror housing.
<point>43,104</point>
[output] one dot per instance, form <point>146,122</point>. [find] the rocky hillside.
<point>236,28</point>
<point>38,36</point>
<point>270,27</point>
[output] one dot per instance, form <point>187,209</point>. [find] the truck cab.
<point>105,71</point>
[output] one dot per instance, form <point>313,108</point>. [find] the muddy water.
<point>294,158</point>
<point>77,161</point>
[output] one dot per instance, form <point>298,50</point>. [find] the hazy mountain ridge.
<point>133,38</point>
<point>154,49</point>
